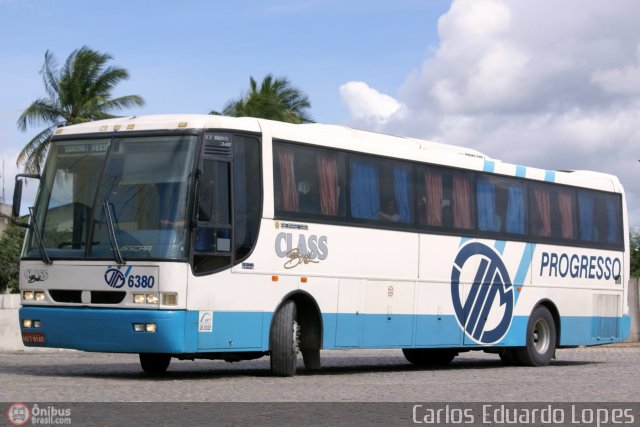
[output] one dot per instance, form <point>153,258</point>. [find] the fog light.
<point>38,296</point>
<point>36,324</point>
<point>27,295</point>
<point>139,298</point>
<point>138,327</point>
<point>151,327</point>
<point>152,298</point>
<point>26,323</point>
<point>169,299</point>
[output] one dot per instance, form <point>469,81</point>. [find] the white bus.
<point>234,238</point>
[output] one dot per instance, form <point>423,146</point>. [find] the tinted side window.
<point>444,198</point>
<point>381,190</point>
<point>600,217</point>
<point>501,205</point>
<point>247,194</point>
<point>553,212</point>
<point>308,181</point>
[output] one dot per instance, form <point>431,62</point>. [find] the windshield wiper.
<point>36,230</point>
<point>112,234</point>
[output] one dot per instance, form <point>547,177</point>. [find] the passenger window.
<point>308,181</point>
<point>381,190</point>
<point>444,198</point>
<point>553,212</point>
<point>501,206</point>
<point>599,215</point>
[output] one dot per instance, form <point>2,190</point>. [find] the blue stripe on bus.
<point>489,166</point>
<point>550,176</point>
<point>111,330</point>
<point>521,171</point>
<point>500,245</point>
<point>523,268</point>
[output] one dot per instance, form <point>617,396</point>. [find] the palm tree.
<point>276,99</point>
<point>78,92</point>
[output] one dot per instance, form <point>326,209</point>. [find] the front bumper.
<point>107,330</point>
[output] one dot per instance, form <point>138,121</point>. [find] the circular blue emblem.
<point>114,278</point>
<point>490,293</point>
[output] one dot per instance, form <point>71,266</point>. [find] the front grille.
<point>97,297</point>
<point>61,295</point>
<point>107,297</point>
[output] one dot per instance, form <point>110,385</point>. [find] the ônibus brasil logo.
<point>490,293</point>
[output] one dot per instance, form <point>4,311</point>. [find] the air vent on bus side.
<point>218,145</point>
<point>218,151</point>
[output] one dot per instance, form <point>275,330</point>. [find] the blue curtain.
<point>515,209</point>
<point>612,218</point>
<point>365,194</point>
<point>585,208</point>
<point>487,220</point>
<point>401,188</point>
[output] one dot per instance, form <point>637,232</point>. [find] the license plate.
<point>36,338</point>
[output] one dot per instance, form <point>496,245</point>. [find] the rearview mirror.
<point>17,198</point>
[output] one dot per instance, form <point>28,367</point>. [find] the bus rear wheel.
<point>284,341</point>
<point>154,363</point>
<point>540,340</point>
<point>429,356</point>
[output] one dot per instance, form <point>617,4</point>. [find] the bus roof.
<point>349,139</point>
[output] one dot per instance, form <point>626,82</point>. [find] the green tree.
<point>634,248</point>
<point>77,92</point>
<point>275,99</point>
<point>10,246</point>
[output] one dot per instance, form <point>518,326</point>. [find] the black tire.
<point>508,357</point>
<point>429,356</point>
<point>154,363</point>
<point>311,358</point>
<point>284,341</point>
<point>540,340</point>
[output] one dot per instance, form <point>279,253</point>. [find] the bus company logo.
<point>307,249</point>
<point>115,278</point>
<point>35,275</point>
<point>18,414</point>
<point>490,293</point>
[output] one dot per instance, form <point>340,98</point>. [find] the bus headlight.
<point>145,298</point>
<point>28,295</point>
<point>38,295</point>
<point>144,327</point>
<point>28,323</point>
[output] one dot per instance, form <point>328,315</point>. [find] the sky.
<point>542,83</point>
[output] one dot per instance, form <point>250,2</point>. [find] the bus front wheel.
<point>540,340</point>
<point>284,341</point>
<point>154,363</point>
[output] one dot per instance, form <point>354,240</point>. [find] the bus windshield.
<point>138,186</point>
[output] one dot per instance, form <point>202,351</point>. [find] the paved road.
<point>586,374</point>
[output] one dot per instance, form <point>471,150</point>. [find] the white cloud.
<point>545,83</point>
<point>619,80</point>
<point>367,105</point>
